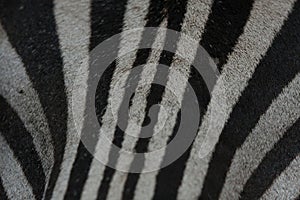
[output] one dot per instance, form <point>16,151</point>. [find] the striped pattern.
<point>250,122</point>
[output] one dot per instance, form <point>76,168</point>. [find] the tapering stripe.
<point>31,29</point>
<point>73,28</point>
<point>280,64</point>
<point>273,164</point>
<point>21,143</point>
<point>106,21</point>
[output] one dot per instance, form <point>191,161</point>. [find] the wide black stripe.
<point>21,142</point>
<point>273,164</point>
<point>175,13</point>
<point>224,26</point>
<point>3,194</point>
<point>276,69</point>
<point>31,29</point>
<point>106,21</point>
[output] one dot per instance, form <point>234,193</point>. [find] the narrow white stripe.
<point>287,185</point>
<point>235,75</point>
<point>137,111</point>
<point>27,105</point>
<point>193,26</point>
<point>14,180</point>
<point>73,27</point>
<point>282,113</point>
<point>134,18</point>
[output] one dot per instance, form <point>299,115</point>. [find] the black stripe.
<point>276,69</point>
<point>106,21</point>
<point>31,29</point>
<point>3,194</point>
<point>141,146</point>
<point>175,12</point>
<point>156,13</point>
<point>169,178</point>
<point>118,138</point>
<point>273,164</point>
<point>154,18</point>
<point>224,26</point>
<point>84,157</point>
<point>109,172</point>
<point>21,143</point>
<point>298,198</point>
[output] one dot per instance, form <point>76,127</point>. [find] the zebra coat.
<point>250,121</point>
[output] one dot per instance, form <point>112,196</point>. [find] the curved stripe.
<point>282,113</point>
<point>275,161</point>
<point>280,65</point>
<point>17,89</point>
<point>13,174</point>
<point>31,29</point>
<point>235,75</point>
<point>73,27</point>
<point>287,185</point>
<point>21,143</point>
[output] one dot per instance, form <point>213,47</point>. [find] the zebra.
<point>255,103</point>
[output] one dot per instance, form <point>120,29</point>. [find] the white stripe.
<point>193,26</point>
<point>13,178</point>
<point>287,185</point>
<point>235,75</point>
<point>282,113</point>
<point>73,27</point>
<point>26,104</point>
<point>137,111</point>
<point>134,18</point>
